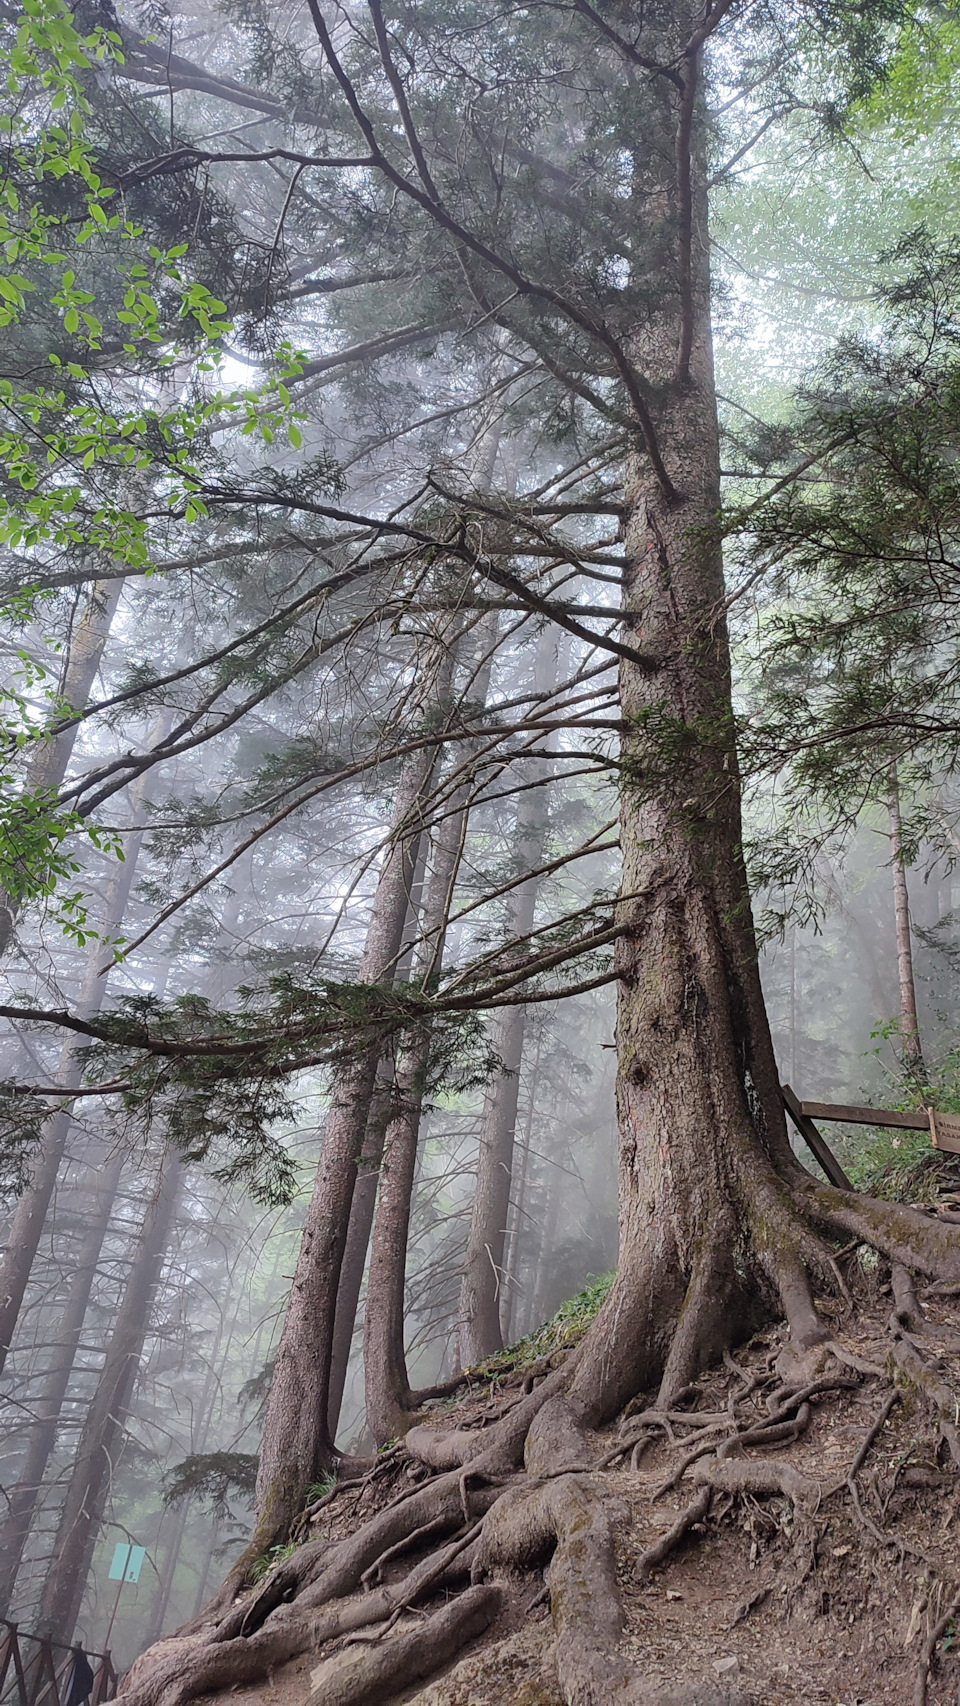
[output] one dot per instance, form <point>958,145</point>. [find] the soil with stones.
<point>767,1538</point>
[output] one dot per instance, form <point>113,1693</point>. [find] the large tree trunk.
<point>89,1486</point>
<point>481,1292</point>
<point>22,1499</point>
<point>703,1146</point>
<point>48,765</point>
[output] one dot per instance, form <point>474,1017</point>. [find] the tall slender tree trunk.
<point>203,1575</point>
<point>297,1448</point>
<point>481,1294</point>
<point>545,1237</point>
<point>365,1190</point>
<point>389,1400</point>
<point>82,1514</point>
<point>22,1499</point>
<point>909,1021</point>
<point>516,1228</point>
<point>363,1206</point>
<point>168,1570</point>
<point>358,1237</point>
<point>48,766</point>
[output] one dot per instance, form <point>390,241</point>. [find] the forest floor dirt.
<point>825,1605</point>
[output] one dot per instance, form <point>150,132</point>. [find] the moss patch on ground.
<point>561,1333</point>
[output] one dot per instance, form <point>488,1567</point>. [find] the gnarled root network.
<point>524,1494</point>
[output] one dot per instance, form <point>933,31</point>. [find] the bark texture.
<point>703,1147</point>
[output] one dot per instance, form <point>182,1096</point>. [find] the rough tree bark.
<point>82,1512</point>
<point>479,1324</point>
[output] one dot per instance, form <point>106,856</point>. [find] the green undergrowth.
<point>901,1166</point>
<point>561,1333</point>
<point>909,1171</point>
<point>267,1560</point>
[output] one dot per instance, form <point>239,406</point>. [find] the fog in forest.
<point>312,725</point>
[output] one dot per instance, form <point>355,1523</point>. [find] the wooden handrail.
<point>814,1140</point>
<point>38,1679</point>
<point>919,1120</point>
<point>944,1129</point>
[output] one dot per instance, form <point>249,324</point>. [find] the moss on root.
<point>560,1333</point>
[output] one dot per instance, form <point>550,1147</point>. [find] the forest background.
<point>308,586</point>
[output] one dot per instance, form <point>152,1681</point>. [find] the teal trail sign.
<point>127,1562</point>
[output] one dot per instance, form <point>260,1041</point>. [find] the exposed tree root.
<point>752,1477</point>
<point>944,1401</point>
<point>570,1519</point>
<point>903,1235</point>
<point>930,1647</point>
<point>367,1678</point>
<point>517,1487</point>
<point>661,1549</point>
<point>495,1450</point>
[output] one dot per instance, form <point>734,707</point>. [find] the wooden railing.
<point>944,1128</point>
<point>35,1670</point>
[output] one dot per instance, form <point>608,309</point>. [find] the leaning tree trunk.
<point>389,1400</point>
<point>480,1330</point>
<point>364,1200</point>
<point>363,1205</point>
<point>82,1513</point>
<point>22,1499</point>
<point>48,765</point>
<point>704,1157</point>
<point>297,1448</point>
